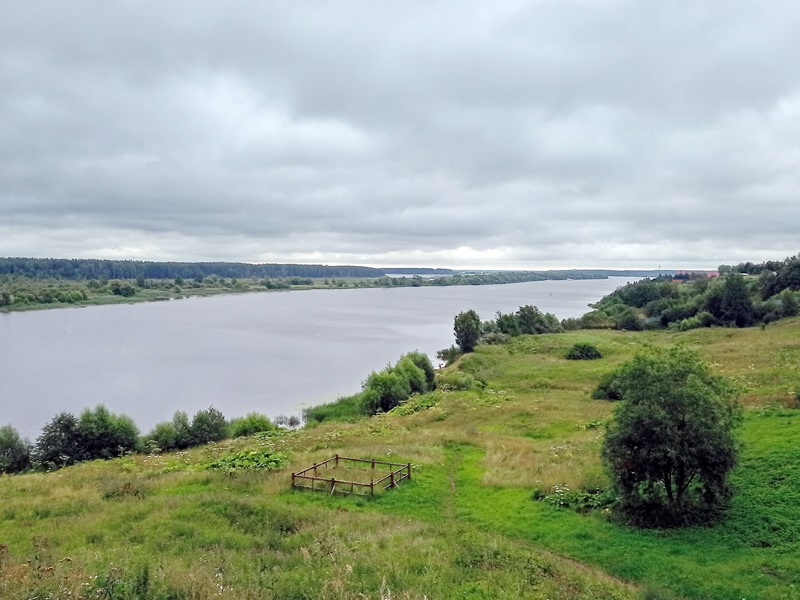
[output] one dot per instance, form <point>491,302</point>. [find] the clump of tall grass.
<point>346,408</point>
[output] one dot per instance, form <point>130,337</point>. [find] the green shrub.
<point>208,425</point>
<point>105,434</point>
<point>416,403</point>
<point>424,363</point>
<point>59,445</point>
<point>494,338</point>
<point>170,435</point>
<point>449,355</point>
<point>250,424</point>
<point>412,374</point>
<point>608,388</point>
<point>581,501</point>
<point>252,460</point>
<point>583,351</point>
<point>385,390</point>
<point>455,380</point>
<point>629,321</point>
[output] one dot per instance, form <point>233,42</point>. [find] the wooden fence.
<point>397,473</point>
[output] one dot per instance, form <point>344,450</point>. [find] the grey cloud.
<point>512,134</point>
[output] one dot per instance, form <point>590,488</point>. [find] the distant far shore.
<point>36,284</point>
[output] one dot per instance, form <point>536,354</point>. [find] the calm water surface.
<point>269,352</point>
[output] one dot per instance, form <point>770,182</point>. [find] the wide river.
<point>267,352</point>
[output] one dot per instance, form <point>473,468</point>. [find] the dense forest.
<point>87,269</point>
<point>81,268</point>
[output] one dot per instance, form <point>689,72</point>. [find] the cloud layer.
<point>577,133</point>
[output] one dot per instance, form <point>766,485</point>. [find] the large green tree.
<point>467,329</point>
<point>208,425</point>
<point>671,446</point>
<point>60,443</point>
<point>15,452</point>
<point>736,305</point>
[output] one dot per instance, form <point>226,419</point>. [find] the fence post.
<point>333,484</point>
<point>337,460</point>
<point>392,479</point>
<point>408,470</point>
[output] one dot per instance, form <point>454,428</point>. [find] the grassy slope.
<point>464,527</point>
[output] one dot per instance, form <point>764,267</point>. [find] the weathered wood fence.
<point>310,478</point>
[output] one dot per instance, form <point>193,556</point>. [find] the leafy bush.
<point>253,460</point>
<point>59,445</point>
<point>581,501</point>
<point>608,388</point>
<point>170,435</point>
<point>106,435</point>
<point>424,363</point>
<point>629,321</point>
<point>790,307</point>
<point>532,321</point>
<point>208,425</point>
<point>412,374</point>
<point>385,390</point>
<point>415,404</point>
<point>381,391</point>
<point>507,324</point>
<point>15,453</point>
<point>455,380</point>
<point>449,355</point>
<point>686,324</point>
<point>583,351</point>
<point>495,338</point>
<point>250,424</point>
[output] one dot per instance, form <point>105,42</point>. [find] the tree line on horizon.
<point>35,283</point>
<point>90,268</point>
<point>87,269</point>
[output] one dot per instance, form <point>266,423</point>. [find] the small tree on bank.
<point>670,447</point>
<point>60,444</point>
<point>467,329</point>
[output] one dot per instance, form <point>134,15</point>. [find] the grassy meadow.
<point>465,526</point>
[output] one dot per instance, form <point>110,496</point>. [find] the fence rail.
<point>397,473</point>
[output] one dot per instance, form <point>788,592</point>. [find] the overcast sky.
<point>503,134</point>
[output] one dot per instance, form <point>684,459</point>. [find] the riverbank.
<point>465,526</point>
<point>22,293</point>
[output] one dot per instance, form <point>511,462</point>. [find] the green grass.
<point>464,526</point>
